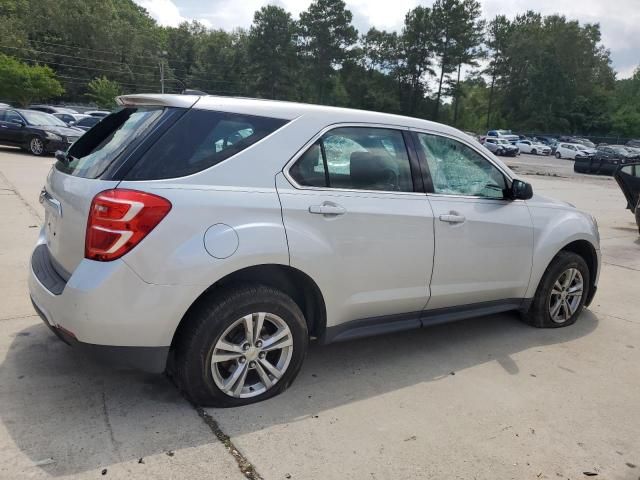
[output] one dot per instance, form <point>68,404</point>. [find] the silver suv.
<point>213,237</point>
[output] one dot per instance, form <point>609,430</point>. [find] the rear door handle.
<point>451,218</point>
<point>327,209</point>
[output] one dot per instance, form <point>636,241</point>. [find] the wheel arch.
<point>298,285</point>
<point>588,252</point>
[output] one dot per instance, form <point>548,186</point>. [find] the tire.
<point>534,152</point>
<point>558,156</point>
<point>499,152</point>
<point>36,146</point>
<point>212,321</point>
<point>540,313</point>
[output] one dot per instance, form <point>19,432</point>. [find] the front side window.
<point>457,169</point>
<point>356,158</point>
<point>12,116</point>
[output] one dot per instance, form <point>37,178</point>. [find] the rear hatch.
<point>628,178</point>
<point>91,166</point>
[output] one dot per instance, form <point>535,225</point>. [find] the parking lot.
<point>488,398</point>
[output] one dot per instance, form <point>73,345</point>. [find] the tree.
<point>25,84</point>
<point>469,36</point>
<point>103,92</point>
<point>417,45</point>
<point>497,43</point>
<point>326,37</point>
<point>272,52</point>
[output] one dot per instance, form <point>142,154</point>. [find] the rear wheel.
<point>36,146</point>
<point>561,293</point>
<point>558,156</point>
<point>244,346</point>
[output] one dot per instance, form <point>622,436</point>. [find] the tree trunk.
<point>456,98</point>
<point>437,107</point>
<point>493,81</point>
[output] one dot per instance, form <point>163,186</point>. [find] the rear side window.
<point>199,140</point>
<point>94,151</point>
<point>356,158</point>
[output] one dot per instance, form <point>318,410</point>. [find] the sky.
<point>619,19</point>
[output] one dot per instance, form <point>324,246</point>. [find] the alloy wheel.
<point>566,295</point>
<point>252,355</point>
<point>36,146</point>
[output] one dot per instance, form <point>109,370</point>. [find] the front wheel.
<point>561,293</point>
<point>243,346</point>
<point>534,152</point>
<point>36,146</point>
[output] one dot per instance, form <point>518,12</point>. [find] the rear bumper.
<point>146,359</point>
<point>106,310</point>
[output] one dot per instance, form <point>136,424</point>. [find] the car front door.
<point>358,222</point>
<point>483,241</point>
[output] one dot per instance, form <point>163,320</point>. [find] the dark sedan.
<point>34,131</point>
<point>606,160</point>
<point>628,177</point>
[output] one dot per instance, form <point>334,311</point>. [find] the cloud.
<point>618,19</point>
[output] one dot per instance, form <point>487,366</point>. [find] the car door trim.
<point>387,324</point>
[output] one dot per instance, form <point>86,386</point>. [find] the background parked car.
<point>634,143</point>
<point>606,160</point>
<point>500,146</point>
<point>535,148</point>
<point>51,109</point>
<point>71,118</point>
<point>97,113</point>
<point>87,122</point>
<point>37,132</point>
<point>506,134</point>
<point>572,151</point>
<point>628,178</point>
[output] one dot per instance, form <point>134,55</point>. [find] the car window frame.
<point>427,175</point>
<point>417,176</point>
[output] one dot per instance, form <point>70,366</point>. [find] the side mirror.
<point>521,190</point>
<point>71,123</point>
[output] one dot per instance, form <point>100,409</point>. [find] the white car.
<point>572,150</point>
<point>527,146</point>
<point>215,236</point>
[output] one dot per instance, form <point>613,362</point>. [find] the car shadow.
<point>341,373</point>
<point>49,391</point>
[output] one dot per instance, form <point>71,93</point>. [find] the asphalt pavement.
<point>488,398</point>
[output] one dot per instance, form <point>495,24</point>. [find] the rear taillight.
<point>119,220</point>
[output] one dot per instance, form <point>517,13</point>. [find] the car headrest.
<point>369,170</point>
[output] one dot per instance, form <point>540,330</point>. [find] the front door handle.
<point>327,209</point>
<point>452,218</point>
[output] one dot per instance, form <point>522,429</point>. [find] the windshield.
<point>587,143</point>
<point>504,132</point>
<point>42,119</point>
<point>620,150</point>
<point>503,141</point>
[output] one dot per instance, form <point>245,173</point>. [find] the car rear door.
<point>483,241</point>
<point>358,222</point>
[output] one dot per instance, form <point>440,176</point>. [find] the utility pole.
<point>162,55</point>
<point>162,75</point>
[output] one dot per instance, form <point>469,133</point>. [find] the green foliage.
<point>103,92</point>
<point>540,73</point>
<point>326,36</point>
<point>25,84</point>
<point>272,52</point>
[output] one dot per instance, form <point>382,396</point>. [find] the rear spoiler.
<point>157,100</point>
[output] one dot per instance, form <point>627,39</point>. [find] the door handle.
<point>327,209</point>
<point>452,218</point>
